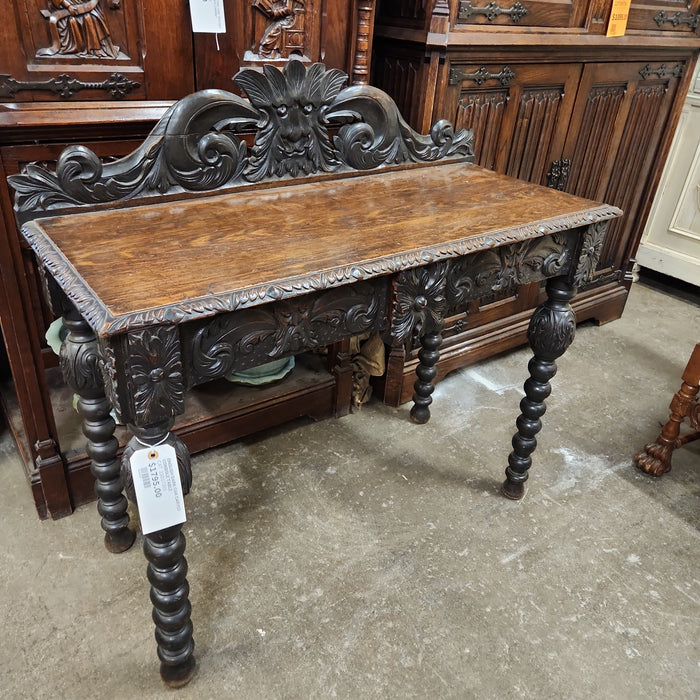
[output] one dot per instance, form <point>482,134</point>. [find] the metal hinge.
<point>558,174</point>
<point>493,10</point>
<point>480,76</point>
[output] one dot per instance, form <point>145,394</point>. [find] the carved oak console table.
<point>335,220</point>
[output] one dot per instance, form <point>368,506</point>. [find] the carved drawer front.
<point>520,13</point>
<point>665,15</point>
<point>94,50</point>
<point>252,337</point>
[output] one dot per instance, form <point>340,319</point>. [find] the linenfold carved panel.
<point>196,147</point>
<point>483,112</point>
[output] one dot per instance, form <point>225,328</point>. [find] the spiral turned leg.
<point>80,366</point>
<point>550,333</point>
<point>426,371</point>
<point>102,447</point>
<point>167,572</point>
<point>167,566</point>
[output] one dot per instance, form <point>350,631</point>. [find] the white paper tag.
<point>208,16</point>
<point>158,488</point>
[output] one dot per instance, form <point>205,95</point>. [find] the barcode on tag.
<point>158,489</point>
<point>145,477</point>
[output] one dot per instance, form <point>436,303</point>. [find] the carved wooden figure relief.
<point>284,33</point>
<point>78,29</point>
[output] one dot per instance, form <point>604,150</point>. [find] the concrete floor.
<point>367,557</point>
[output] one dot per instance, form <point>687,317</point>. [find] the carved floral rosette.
<point>591,249</point>
<point>196,146</point>
<point>419,302</point>
<point>425,295</point>
<point>154,368</point>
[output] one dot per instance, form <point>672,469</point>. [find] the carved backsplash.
<point>196,146</point>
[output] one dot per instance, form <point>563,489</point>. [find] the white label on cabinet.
<point>158,488</point>
<point>208,16</point>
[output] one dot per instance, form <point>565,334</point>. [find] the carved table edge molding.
<point>105,323</point>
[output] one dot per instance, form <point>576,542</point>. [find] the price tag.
<point>618,17</point>
<point>208,16</point>
<point>158,488</point>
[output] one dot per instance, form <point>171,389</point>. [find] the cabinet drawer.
<point>665,15</point>
<point>519,13</point>
<point>100,50</point>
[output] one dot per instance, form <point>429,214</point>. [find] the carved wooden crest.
<point>305,122</point>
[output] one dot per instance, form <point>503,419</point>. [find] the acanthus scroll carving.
<point>108,368</point>
<point>196,146</point>
<point>78,28</point>
<point>80,361</point>
<point>500,268</point>
<point>551,330</point>
<point>255,336</point>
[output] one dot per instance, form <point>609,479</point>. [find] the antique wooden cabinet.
<point>553,100</point>
<point>101,73</point>
<point>671,240</point>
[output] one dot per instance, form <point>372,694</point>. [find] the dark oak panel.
<point>96,50</point>
<point>561,105</point>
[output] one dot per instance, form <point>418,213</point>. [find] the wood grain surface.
<point>153,256</point>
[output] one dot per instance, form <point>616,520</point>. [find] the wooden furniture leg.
<point>167,566</point>
<point>426,372</point>
<point>80,366</point>
<point>655,459</point>
<point>550,333</point>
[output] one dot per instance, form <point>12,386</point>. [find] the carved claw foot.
<point>655,459</point>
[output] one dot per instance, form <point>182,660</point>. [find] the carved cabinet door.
<point>519,113</point>
<point>95,50</point>
<point>618,123</point>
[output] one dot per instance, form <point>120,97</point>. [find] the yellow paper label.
<point>618,17</point>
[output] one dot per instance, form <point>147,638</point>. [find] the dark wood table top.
<point>174,260</point>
